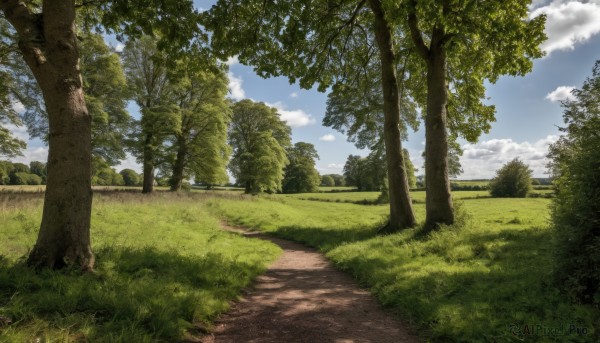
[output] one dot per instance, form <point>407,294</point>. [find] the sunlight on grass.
<point>163,266</point>
<point>468,284</point>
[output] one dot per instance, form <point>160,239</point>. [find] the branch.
<point>415,32</point>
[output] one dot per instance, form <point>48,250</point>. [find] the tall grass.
<point>164,270</point>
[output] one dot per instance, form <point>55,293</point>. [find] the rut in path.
<point>303,298</point>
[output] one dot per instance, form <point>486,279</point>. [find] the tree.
<point>259,139</point>
<point>575,167</point>
<point>48,43</point>
<point>130,177</point>
<point>410,169</point>
<point>327,181</point>
<point>322,42</point>
<point>338,179</point>
<point>39,169</point>
<point>148,78</point>
<point>300,174</point>
<point>106,97</point>
<point>199,144</point>
<point>461,44</point>
<point>367,174</point>
<point>513,180</point>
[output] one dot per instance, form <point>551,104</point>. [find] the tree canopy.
<point>259,139</point>
<point>300,174</point>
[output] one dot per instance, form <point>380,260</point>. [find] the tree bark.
<point>49,46</point>
<point>148,182</point>
<point>401,212</point>
<point>438,201</point>
<point>179,166</point>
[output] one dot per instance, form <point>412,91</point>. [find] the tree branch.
<point>415,32</point>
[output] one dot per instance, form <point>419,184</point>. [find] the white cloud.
<point>18,106</point>
<point>331,168</point>
<point>119,47</point>
<point>129,163</point>
<point>481,160</point>
<point>232,61</point>
<point>32,154</point>
<point>560,93</point>
<point>327,138</point>
<point>19,132</point>
<point>235,87</point>
<point>294,118</point>
<point>294,95</point>
<point>568,22</point>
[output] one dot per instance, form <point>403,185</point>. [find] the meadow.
<point>486,279</point>
<point>165,270</point>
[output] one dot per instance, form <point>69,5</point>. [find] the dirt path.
<point>303,298</point>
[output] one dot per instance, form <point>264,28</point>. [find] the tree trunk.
<point>179,166</point>
<point>148,183</point>
<point>401,212</point>
<point>437,184</point>
<point>49,46</point>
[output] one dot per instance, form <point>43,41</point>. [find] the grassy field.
<point>164,269</point>
<point>488,280</point>
<point>417,196</point>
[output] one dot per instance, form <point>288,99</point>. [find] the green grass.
<point>464,284</point>
<point>163,269</point>
<point>417,196</point>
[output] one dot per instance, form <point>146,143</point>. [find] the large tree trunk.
<point>49,46</point>
<point>148,182</point>
<point>437,184</point>
<point>179,166</point>
<point>401,212</point>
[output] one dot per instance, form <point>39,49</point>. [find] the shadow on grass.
<point>472,286</point>
<point>135,295</point>
<point>326,239</point>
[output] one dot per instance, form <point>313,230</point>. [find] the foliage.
<point>165,270</point>
<point>461,284</point>
<point>259,138</point>
<point>130,177</point>
<point>479,41</point>
<point>513,180</point>
<point>300,174</point>
<point>575,167</point>
<point>38,168</point>
<point>327,181</point>
<point>356,109</point>
<point>106,97</point>
<point>366,173</point>
<point>148,82</point>
<point>199,144</point>
<point>104,175</point>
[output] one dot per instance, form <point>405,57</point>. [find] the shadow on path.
<point>303,298</point>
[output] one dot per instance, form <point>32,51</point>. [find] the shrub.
<point>575,167</point>
<point>513,180</point>
<point>327,181</point>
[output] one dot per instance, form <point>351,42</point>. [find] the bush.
<point>576,208</point>
<point>327,181</point>
<point>22,178</point>
<point>513,180</point>
<point>130,177</point>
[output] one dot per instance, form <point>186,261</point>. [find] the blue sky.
<point>528,108</point>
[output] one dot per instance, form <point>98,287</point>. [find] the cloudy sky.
<point>528,108</point>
